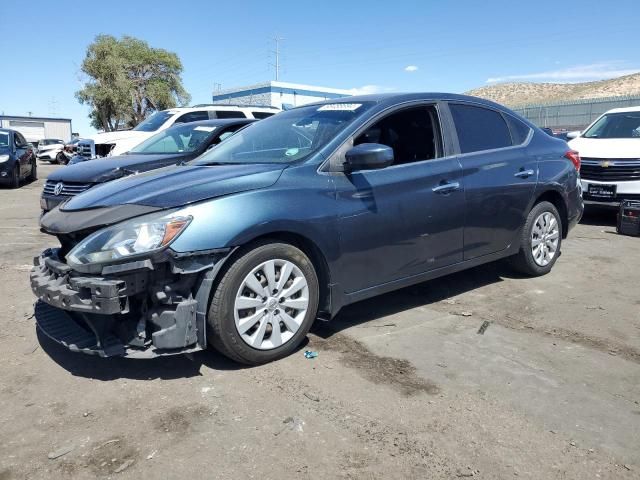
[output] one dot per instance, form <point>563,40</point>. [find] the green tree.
<point>128,80</point>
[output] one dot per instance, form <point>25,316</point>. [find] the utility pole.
<point>277,39</point>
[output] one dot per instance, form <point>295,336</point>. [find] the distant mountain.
<point>522,93</point>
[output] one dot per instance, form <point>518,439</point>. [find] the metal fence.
<point>573,115</point>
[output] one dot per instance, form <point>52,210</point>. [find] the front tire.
<point>540,241</point>
<point>264,304</point>
<point>15,177</point>
<point>33,175</point>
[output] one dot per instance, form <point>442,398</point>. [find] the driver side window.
<point>412,133</point>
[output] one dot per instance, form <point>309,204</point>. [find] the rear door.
<point>405,219</point>
<point>499,176</point>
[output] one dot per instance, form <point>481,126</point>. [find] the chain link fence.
<point>573,115</point>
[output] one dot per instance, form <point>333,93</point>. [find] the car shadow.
<point>420,295</point>
<point>166,368</point>
<point>186,366</point>
<point>171,367</point>
<point>599,216</point>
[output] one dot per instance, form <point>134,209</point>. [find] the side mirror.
<point>574,134</point>
<point>368,156</point>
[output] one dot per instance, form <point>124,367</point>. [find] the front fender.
<point>291,206</point>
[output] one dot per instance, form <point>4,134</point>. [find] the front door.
<point>22,153</point>
<point>405,219</point>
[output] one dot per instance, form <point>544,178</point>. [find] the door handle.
<point>524,173</point>
<point>446,187</point>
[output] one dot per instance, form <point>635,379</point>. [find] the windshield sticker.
<point>291,152</point>
<point>340,107</point>
<point>205,129</point>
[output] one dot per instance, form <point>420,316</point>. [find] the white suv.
<point>610,152</point>
<point>119,142</point>
<point>50,149</point>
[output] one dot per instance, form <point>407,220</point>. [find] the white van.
<point>119,142</point>
<point>610,157</point>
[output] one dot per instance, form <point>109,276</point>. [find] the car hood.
<point>105,169</point>
<point>606,147</point>
<point>176,186</point>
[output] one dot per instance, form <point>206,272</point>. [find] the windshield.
<point>183,138</point>
<point>4,139</point>
<point>287,137</point>
<point>616,125</point>
<point>154,122</point>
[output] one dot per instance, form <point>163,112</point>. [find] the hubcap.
<point>271,304</point>
<point>545,236</point>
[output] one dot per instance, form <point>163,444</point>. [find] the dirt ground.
<point>404,385</point>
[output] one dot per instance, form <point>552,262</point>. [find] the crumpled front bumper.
<point>138,309</point>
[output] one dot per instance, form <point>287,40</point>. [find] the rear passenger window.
<point>193,117</point>
<point>261,115</point>
<point>479,128</point>
<point>519,130</point>
<point>229,114</point>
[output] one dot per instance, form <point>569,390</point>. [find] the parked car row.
<point>116,143</point>
<point>180,143</point>
<point>291,218</point>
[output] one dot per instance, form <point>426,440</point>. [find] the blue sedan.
<point>295,217</point>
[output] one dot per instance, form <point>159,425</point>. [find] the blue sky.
<point>367,46</point>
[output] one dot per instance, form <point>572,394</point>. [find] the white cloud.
<point>411,68</point>
<point>578,73</point>
<point>369,89</point>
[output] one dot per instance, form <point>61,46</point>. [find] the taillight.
<point>574,157</point>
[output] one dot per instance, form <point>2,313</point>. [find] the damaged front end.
<point>143,306</point>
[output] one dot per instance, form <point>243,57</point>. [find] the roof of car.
<point>220,107</point>
<point>219,122</point>
<point>404,97</point>
<point>624,110</point>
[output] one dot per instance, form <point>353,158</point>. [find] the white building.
<point>277,94</point>
<point>35,129</point>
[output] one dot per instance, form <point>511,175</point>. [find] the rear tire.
<point>278,313</point>
<point>540,241</point>
<point>61,159</point>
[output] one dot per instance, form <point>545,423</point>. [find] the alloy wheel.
<point>271,304</point>
<point>545,236</point>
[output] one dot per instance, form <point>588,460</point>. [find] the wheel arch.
<point>310,248</point>
<point>557,200</point>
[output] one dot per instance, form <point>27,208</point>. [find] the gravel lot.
<point>403,387</point>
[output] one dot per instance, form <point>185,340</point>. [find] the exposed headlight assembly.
<point>127,239</point>
<point>4,158</point>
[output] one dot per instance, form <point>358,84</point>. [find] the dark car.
<point>177,144</point>
<point>17,158</point>
<point>562,135</point>
<point>297,216</point>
